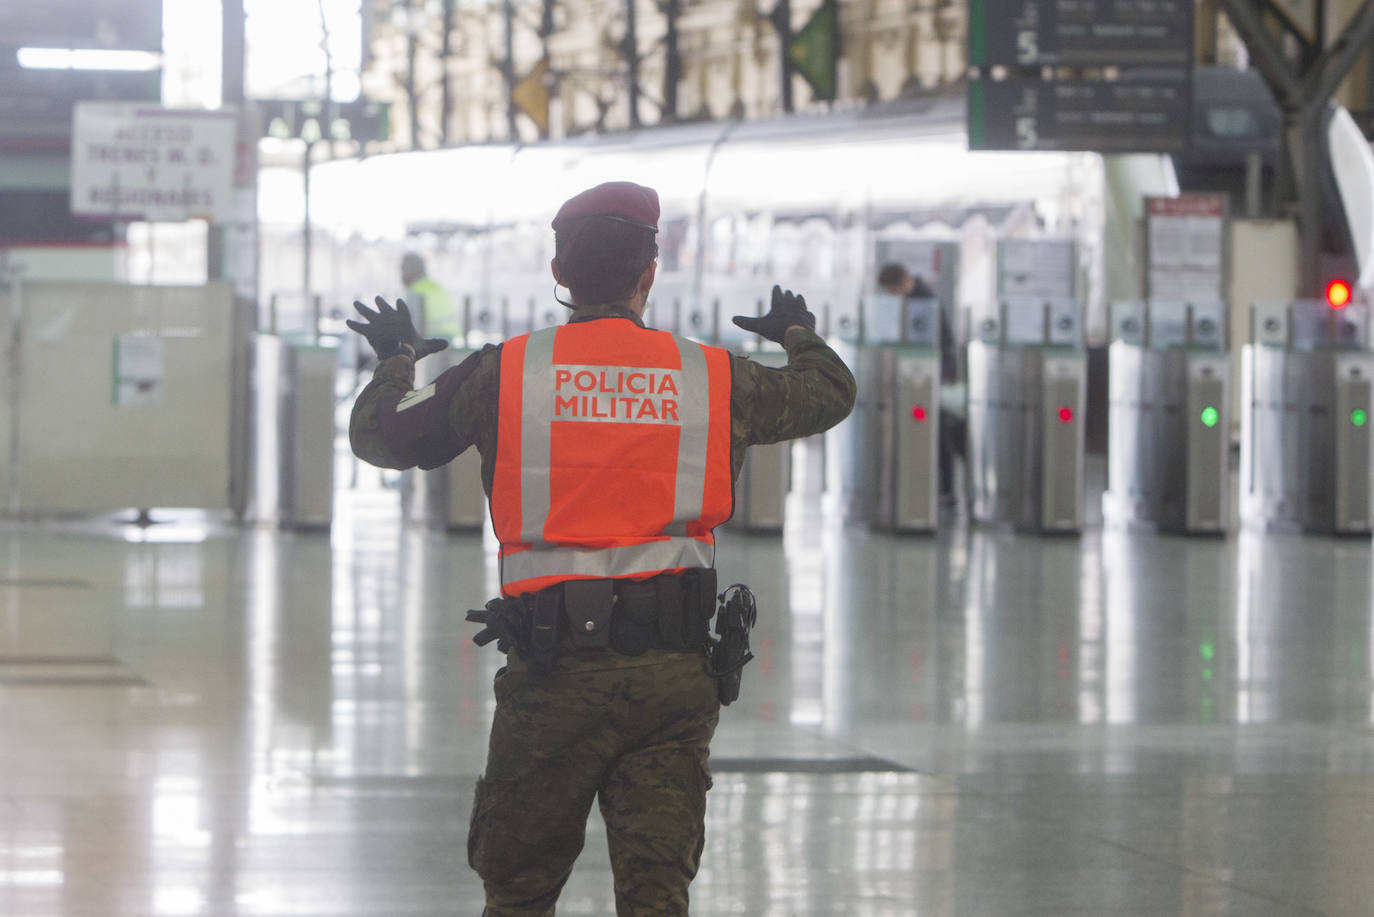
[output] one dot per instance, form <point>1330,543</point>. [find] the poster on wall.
<point>1185,238</point>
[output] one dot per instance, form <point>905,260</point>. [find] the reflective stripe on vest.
<point>579,513</point>
<point>545,564</point>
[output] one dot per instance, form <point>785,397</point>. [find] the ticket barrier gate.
<point>764,481</point>
<point>766,478</point>
<point>1026,381</point>
<point>484,321</point>
<point>1168,433</point>
<point>883,461</point>
<point>449,497</point>
<point>305,430</point>
<point>1306,380</point>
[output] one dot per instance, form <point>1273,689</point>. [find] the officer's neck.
<point>634,305</point>
<point>630,310</point>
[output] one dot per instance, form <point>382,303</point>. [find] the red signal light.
<point>1066,414</point>
<point>1338,294</point>
<point>918,413</point>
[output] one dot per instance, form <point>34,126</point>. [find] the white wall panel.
<point>79,451</point>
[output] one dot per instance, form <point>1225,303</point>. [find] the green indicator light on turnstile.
<point>1208,651</point>
<point>1210,416</point>
<point>1359,417</point>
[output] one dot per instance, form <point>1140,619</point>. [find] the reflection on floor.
<point>223,722</point>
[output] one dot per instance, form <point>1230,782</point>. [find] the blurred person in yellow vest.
<point>438,317</point>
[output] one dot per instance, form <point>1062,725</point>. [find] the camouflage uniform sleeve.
<point>394,426</point>
<point>812,393</point>
<point>391,381</point>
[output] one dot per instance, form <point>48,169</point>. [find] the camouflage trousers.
<point>636,739</point>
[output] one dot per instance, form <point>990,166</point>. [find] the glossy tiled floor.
<point>231,722</point>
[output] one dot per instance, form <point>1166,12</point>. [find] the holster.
<point>729,653</point>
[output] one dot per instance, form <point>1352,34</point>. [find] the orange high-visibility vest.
<point>612,454</point>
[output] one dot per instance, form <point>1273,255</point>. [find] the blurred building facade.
<point>441,63</point>
<point>474,71</point>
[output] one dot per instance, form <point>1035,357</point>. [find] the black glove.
<point>504,624</point>
<point>788,309</point>
<point>388,330</point>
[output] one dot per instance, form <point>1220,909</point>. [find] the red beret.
<point>622,200</point>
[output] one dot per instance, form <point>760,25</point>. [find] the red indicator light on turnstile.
<point>1066,414</point>
<point>1338,294</point>
<point>918,413</point>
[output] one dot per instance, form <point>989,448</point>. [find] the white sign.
<point>1035,268</point>
<point>140,162</point>
<point>139,370</point>
<point>1186,235</point>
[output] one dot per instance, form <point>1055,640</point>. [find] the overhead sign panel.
<point>136,162</point>
<point>1110,76</point>
<point>1081,33</point>
<point>1136,115</point>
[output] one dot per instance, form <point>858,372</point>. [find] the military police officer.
<point>438,317</point>
<point>609,453</point>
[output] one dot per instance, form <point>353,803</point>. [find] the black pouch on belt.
<point>635,626</point>
<point>701,598</point>
<point>672,613</point>
<point>544,607</point>
<point>686,602</point>
<point>587,607</point>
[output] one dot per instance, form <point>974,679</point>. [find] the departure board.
<point>1110,76</point>
<point>1080,33</point>
<point>1139,115</point>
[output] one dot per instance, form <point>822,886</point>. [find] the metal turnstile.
<point>883,461</point>
<point>1026,372</point>
<point>764,481</point>
<point>1306,379</point>
<point>1168,432</point>
<point>449,497</point>
<point>305,435</point>
<point>483,320</point>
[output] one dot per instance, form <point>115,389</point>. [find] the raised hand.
<point>390,331</point>
<point>786,310</point>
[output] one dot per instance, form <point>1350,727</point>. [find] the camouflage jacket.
<point>812,393</point>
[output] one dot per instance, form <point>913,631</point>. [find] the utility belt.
<point>671,611</point>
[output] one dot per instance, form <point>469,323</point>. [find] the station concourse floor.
<point>207,720</point>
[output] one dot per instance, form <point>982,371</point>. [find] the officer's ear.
<point>557,274</point>
<point>646,279</point>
